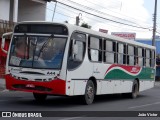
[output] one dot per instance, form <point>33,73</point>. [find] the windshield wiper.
<point>44,45</point>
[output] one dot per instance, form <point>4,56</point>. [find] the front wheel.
<point>40,97</point>
<point>89,93</point>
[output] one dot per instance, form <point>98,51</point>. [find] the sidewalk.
<point>157,83</point>
<point>2,84</point>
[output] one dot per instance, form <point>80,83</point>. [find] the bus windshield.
<point>44,52</point>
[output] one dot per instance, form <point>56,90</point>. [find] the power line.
<point>102,17</point>
<point>103,13</point>
<point>114,11</point>
<point>99,11</point>
<point>61,13</point>
<point>92,19</point>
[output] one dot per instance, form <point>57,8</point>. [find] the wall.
<point>4,9</point>
<point>29,10</point>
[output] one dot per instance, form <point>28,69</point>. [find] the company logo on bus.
<point>135,70</point>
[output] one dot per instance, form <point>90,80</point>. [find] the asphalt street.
<point>148,100</point>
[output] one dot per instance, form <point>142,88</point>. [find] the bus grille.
<point>39,88</point>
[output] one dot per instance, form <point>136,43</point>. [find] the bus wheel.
<point>39,97</point>
<point>89,93</point>
<point>135,90</point>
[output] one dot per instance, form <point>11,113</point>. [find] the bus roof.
<point>92,32</point>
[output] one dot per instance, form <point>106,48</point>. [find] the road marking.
<point>71,118</point>
<point>146,105</point>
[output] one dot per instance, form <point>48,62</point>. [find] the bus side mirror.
<point>3,41</point>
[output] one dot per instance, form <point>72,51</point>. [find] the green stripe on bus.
<point>146,73</point>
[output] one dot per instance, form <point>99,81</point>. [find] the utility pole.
<point>54,9</point>
<point>154,23</point>
<point>78,19</point>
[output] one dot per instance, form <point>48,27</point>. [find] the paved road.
<point>2,84</point>
<point>18,101</point>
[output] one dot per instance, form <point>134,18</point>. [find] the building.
<point>22,10</point>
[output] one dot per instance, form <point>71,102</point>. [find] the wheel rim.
<point>90,92</point>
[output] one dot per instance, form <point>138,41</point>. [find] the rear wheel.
<point>88,98</point>
<point>135,90</point>
<point>40,97</point>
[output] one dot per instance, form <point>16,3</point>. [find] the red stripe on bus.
<point>57,86</point>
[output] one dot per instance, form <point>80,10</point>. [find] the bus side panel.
<point>122,86</point>
<point>107,87</point>
<point>77,78</point>
<point>126,86</point>
<point>149,84</point>
<point>146,84</point>
<point>142,85</point>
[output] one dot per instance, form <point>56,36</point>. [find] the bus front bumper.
<point>56,86</point>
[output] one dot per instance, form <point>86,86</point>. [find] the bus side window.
<point>140,57</point>
<point>152,58</point>
<point>147,58</point>
<point>131,55</point>
<point>109,51</point>
<point>136,56</point>
<point>76,50</point>
<point>144,56</point>
<point>95,49</point>
<point>120,53</point>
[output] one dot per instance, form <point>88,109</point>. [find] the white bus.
<point>48,58</point>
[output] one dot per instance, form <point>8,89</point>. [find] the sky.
<point>133,12</point>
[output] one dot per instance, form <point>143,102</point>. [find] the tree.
<point>85,25</point>
<point>66,21</point>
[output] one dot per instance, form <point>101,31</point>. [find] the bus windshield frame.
<point>39,51</point>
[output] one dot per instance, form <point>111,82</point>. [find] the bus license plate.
<point>30,86</point>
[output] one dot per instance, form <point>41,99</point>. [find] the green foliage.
<point>85,25</point>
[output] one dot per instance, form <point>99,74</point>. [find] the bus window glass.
<point>109,51</point>
<point>95,52</point>
<point>76,50</point>
<point>140,52</point>
<point>109,46</point>
<point>130,50</point>
<point>131,57</point>
<point>37,52</point>
<point>120,53</point>
<point>79,55</point>
<point>140,61</point>
<point>109,57</point>
<point>147,54</point>
<point>94,43</point>
<point>120,48</point>
<point>94,55</point>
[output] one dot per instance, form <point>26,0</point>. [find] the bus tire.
<point>89,95</point>
<point>40,97</point>
<point>135,90</point>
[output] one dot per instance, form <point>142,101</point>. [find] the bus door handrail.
<point>3,41</point>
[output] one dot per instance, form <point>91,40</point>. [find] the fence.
<point>6,26</point>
